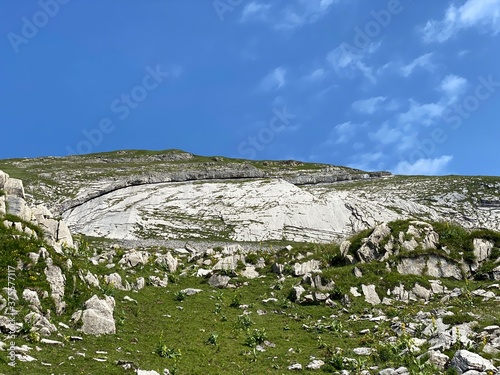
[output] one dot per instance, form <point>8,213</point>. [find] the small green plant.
<point>235,301</point>
<point>173,278</point>
<point>256,337</point>
<point>164,351</point>
<point>180,296</point>
<point>244,322</point>
<point>212,339</point>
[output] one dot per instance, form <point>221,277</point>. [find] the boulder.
<point>297,292</point>
<point>134,258</point>
<point>3,209</point>
<point>464,361</point>
<point>250,273</point>
<point>315,364</point>
<point>97,317</point>
<point>41,324</point>
<point>17,206</point>
<point>370,250</point>
<point>218,281</point>
<point>3,179</point>
<point>31,297</point>
<point>229,263</point>
<point>156,281</point>
<point>370,294</point>
<point>14,187</point>
<point>191,291</point>
<point>115,280</point>
<point>434,266</point>
<point>300,269</point>
<point>421,292</point>
<point>437,359</point>
<point>167,260</point>
<point>57,281</point>
<point>495,274</point>
<point>482,249</point>
<point>90,279</point>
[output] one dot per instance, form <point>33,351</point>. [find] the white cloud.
<point>316,75</point>
<point>374,104</point>
<point>423,166</point>
<point>479,13</point>
<point>274,80</point>
<point>295,14</point>
<point>255,10</point>
<point>453,87</point>
<point>422,113</point>
<point>349,61</point>
<point>303,12</point>
<point>386,135</point>
<point>423,61</point>
<point>344,132</point>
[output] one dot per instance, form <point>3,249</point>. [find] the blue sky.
<point>412,87</point>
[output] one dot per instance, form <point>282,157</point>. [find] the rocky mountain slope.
<point>403,297</point>
<point>139,195</point>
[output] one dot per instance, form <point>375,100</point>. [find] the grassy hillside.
<point>254,328</point>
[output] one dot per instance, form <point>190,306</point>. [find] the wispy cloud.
<point>316,75</point>
<point>343,133</point>
<point>423,61</point>
<point>419,113</point>
<point>295,14</point>
<point>386,135</point>
<point>430,166</point>
<point>274,80</point>
<point>374,104</point>
<point>453,87</point>
<point>256,11</point>
<point>479,13</point>
<point>349,62</point>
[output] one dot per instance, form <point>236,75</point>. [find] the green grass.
<point>208,333</point>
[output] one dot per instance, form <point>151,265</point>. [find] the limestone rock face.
<point>250,211</point>
<point>97,317</point>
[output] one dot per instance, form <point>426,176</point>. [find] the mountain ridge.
<point>221,198</point>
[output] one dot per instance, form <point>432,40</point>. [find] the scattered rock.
<point>311,266</point>
<point>219,281</point>
<point>464,361</point>
<point>97,317</point>
<point>315,364</point>
<point>370,294</point>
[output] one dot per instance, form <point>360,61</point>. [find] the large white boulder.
<point>97,317</point>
